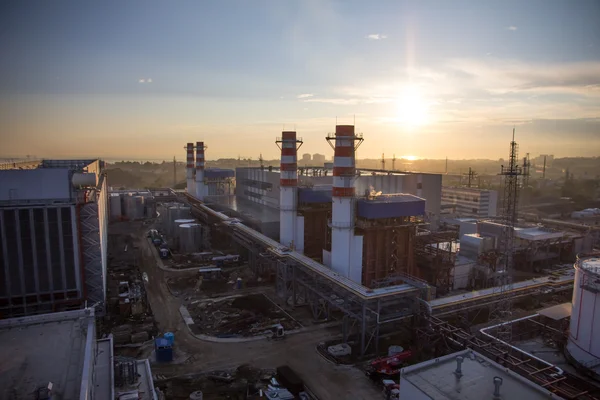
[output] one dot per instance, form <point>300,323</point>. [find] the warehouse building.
<point>53,237</point>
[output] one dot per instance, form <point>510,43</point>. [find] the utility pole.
<point>544,170</point>
<point>470,177</point>
<point>174,172</point>
<point>394,163</point>
<point>526,170</point>
<point>501,311</point>
<point>446,165</point>
<point>262,164</point>
<point>383,161</point>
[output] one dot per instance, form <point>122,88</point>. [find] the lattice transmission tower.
<point>501,311</point>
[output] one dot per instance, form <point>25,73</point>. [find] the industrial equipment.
<point>387,366</point>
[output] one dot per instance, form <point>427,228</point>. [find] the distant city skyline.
<point>137,80</point>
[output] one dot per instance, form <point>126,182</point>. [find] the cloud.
<point>142,81</point>
<point>149,80</point>
<point>145,80</point>
<point>508,76</point>
<point>376,36</point>
<point>305,95</point>
<point>512,28</point>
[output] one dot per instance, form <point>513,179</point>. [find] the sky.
<point>430,79</point>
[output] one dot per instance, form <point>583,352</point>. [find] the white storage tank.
<point>190,238</point>
<point>583,345</point>
<point>115,207</point>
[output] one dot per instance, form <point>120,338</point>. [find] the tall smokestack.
<point>288,191</point>
<point>200,170</point>
<point>345,247</point>
<point>189,169</point>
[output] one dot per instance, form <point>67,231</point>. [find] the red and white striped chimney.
<point>288,188</point>
<point>200,188</point>
<point>343,250</point>
<point>189,169</point>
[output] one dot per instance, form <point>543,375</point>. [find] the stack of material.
<point>122,334</point>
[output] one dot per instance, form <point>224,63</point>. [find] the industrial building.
<point>57,355</point>
<point>261,186</point>
<point>470,202</point>
<point>466,375</point>
<point>583,347</point>
<point>53,233</point>
<point>371,260</point>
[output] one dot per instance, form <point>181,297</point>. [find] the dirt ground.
<point>325,379</point>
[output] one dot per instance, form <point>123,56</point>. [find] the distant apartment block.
<point>318,159</point>
<point>470,202</point>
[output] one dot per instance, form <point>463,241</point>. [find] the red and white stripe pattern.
<point>344,167</point>
<point>189,172</point>
<point>200,170</point>
<point>289,160</point>
<point>199,157</point>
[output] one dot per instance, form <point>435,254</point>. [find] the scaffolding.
<point>436,257</point>
<point>317,233</point>
<point>388,248</point>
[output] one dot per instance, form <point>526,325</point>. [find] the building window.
<point>475,210</point>
<point>419,185</point>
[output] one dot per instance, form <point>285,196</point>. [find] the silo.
<point>190,237</point>
<point>138,207</point>
<point>150,207</point>
<point>115,207</point>
<point>583,346</point>
<point>130,205</point>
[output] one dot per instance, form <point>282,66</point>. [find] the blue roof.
<point>316,194</point>
<point>391,206</point>
<point>216,173</point>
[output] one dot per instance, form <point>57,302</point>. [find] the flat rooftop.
<point>41,349</point>
<point>437,380</point>
<point>246,208</point>
<point>537,234</point>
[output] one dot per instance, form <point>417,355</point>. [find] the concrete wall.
<point>36,184</point>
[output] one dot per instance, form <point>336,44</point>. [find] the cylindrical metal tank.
<point>130,207</point>
<point>139,207</point>
<point>83,179</point>
<point>115,207</point>
<point>175,213</point>
<point>583,346</point>
<point>190,237</point>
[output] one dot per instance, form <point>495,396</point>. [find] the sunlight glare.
<point>412,108</point>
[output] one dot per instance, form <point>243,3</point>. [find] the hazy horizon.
<point>126,80</point>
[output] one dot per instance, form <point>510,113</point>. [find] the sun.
<point>412,108</point>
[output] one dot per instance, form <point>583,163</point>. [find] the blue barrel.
<point>163,350</point>
<point>239,283</point>
<point>170,336</point>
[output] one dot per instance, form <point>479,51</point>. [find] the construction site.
<point>350,283</point>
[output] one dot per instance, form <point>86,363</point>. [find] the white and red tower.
<point>346,249</point>
<point>291,233</point>
<point>189,169</point>
<point>200,188</point>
